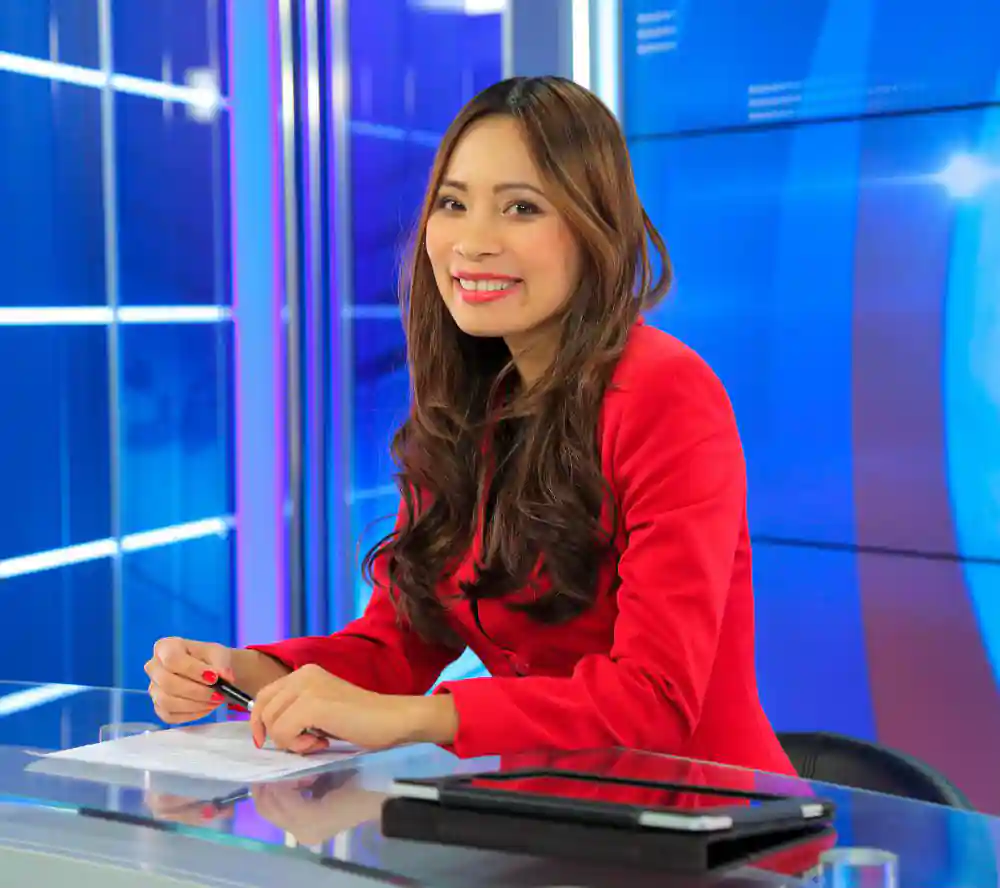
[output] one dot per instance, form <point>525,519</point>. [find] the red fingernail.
<point>210,676</point>
<point>217,697</point>
<point>257,743</point>
<point>208,812</point>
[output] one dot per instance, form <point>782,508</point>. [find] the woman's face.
<point>503,257</point>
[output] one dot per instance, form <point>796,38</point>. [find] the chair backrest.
<point>847,761</point>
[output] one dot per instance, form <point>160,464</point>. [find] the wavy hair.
<point>476,444</point>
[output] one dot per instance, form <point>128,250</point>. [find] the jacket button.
<point>521,666</point>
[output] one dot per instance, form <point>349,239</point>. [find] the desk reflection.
<point>316,809</point>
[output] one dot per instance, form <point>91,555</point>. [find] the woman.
<point>573,486</point>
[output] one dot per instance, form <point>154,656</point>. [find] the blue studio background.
<point>827,177</point>
<point>113,438</point>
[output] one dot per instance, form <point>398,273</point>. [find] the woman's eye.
<point>448,203</point>
<point>523,208</point>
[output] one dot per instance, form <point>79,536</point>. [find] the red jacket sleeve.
<point>680,479</point>
<point>377,651</point>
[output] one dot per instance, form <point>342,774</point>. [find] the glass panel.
<point>56,30</point>
<point>176,424</point>
<point>389,177</point>
<point>380,398</point>
<point>173,205</point>
<point>373,514</point>
<point>55,469</point>
<point>163,39</point>
<point>58,625</point>
<point>453,56</point>
<point>413,67</point>
<point>47,717</point>
<point>183,589</point>
<point>51,215</point>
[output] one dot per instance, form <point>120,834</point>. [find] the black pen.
<point>234,695</point>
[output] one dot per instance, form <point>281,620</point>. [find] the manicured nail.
<point>209,812</point>
<point>257,743</point>
<point>210,676</point>
<point>217,697</point>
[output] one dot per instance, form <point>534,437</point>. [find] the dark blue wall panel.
<point>52,248</point>
<point>717,65</point>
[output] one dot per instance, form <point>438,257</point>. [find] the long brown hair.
<point>474,438</point>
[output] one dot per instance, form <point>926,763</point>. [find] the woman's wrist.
<point>435,719</point>
<point>253,670</point>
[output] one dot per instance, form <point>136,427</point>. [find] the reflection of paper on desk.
<point>222,751</point>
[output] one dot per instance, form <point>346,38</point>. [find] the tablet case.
<point>680,852</point>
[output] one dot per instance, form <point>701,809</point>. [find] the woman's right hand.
<point>181,672</point>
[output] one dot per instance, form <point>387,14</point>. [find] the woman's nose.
<point>475,251</point>
<point>477,241</point>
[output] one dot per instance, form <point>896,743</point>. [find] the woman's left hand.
<point>313,698</point>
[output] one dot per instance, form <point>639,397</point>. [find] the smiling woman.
<point>572,483</point>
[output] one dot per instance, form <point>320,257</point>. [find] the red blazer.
<point>664,660</point>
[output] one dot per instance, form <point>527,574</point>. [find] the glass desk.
<point>111,827</point>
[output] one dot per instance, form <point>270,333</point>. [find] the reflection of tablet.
<point>590,798</point>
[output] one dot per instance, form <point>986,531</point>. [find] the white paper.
<point>222,751</point>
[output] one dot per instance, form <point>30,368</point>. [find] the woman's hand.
<point>181,672</point>
<point>313,698</point>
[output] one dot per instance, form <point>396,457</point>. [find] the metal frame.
<point>294,399</point>
<point>259,284</point>
<point>340,546</point>
<point>320,415</point>
<point>109,177</point>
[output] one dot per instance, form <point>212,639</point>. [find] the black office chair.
<point>847,761</point>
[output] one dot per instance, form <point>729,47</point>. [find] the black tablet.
<point>582,797</point>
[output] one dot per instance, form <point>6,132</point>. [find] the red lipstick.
<point>475,296</point>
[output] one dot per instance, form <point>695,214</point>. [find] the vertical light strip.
<point>314,304</point>
<point>606,42</point>
<point>293,316</point>
<point>580,13</point>
<point>109,187</point>
<point>507,51</point>
<point>224,362</point>
<point>258,287</point>
<point>340,270</point>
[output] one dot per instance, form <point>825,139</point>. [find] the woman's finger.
<point>177,687</point>
<point>308,744</point>
<point>177,716</point>
<point>286,724</point>
<point>268,711</point>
